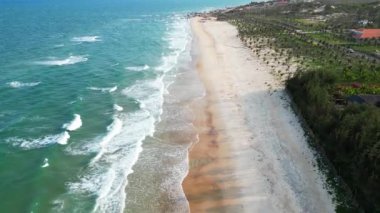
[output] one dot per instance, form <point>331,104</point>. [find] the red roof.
<point>368,33</point>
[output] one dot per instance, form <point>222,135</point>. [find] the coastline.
<point>252,155</point>
<point>158,174</point>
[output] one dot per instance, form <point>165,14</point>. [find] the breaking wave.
<point>62,62</point>
<point>18,84</point>
<point>88,39</point>
<point>118,108</point>
<point>75,124</point>
<point>103,89</point>
<point>118,150</point>
<point>28,144</point>
<point>138,68</point>
<point>46,163</point>
<point>113,130</point>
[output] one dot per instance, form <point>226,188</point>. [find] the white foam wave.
<point>118,152</point>
<point>88,39</point>
<point>103,89</point>
<point>63,138</point>
<point>106,176</point>
<point>113,130</point>
<point>27,144</point>
<point>149,94</point>
<point>18,84</point>
<point>178,37</point>
<point>142,105</point>
<point>113,89</point>
<point>46,163</point>
<point>75,124</point>
<point>59,45</point>
<point>68,61</point>
<point>118,107</point>
<point>138,68</point>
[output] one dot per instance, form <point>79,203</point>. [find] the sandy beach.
<point>252,155</point>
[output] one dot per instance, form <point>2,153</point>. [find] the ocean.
<point>94,99</point>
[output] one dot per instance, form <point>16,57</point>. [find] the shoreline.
<point>252,155</point>
<point>158,174</point>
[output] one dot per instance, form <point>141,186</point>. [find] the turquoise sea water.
<point>82,86</point>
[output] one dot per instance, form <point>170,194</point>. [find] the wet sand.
<point>252,155</point>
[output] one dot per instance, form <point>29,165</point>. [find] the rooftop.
<point>367,33</point>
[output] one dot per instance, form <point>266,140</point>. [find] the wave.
<point>88,39</point>
<point>149,95</point>
<point>18,84</point>
<point>117,152</point>
<point>107,174</point>
<point>63,138</point>
<point>68,61</point>
<point>75,124</point>
<point>46,163</point>
<point>103,89</point>
<point>138,68</point>
<point>178,38</point>
<point>113,130</point>
<point>28,144</point>
<point>118,108</point>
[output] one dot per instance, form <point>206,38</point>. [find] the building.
<point>365,33</point>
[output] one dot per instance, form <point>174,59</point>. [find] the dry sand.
<point>252,155</point>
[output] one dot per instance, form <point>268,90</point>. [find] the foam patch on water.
<point>46,163</point>
<point>138,68</point>
<point>103,89</point>
<point>118,108</point>
<point>62,62</point>
<point>19,84</point>
<point>73,125</point>
<point>63,138</point>
<point>88,39</point>
<point>27,144</point>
